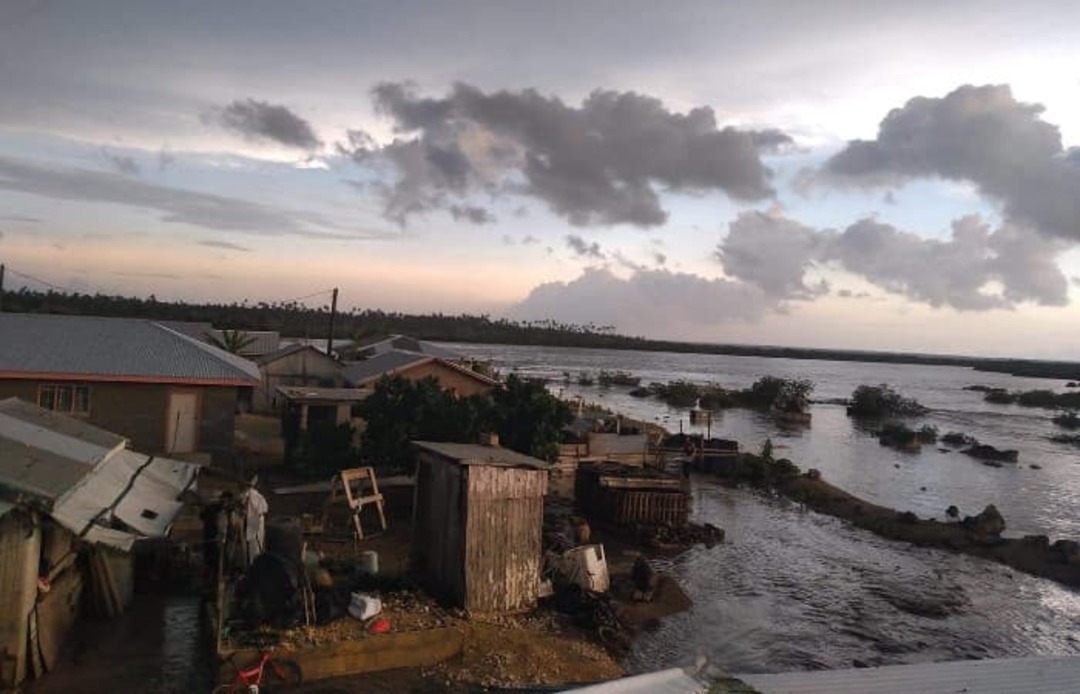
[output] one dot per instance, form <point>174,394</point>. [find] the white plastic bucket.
<point>369,562</point>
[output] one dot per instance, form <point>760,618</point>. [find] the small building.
<point>74,500</point>
<point>478,515</point>
<point>412,366</point>
<point>320,404</point>
<point>164,390</point>
<point>293,365</point>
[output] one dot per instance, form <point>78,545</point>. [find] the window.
<point>71,399</point>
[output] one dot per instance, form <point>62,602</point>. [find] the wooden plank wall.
<point>20,551</point>
<point>438,528</point>
<point>504,521</point>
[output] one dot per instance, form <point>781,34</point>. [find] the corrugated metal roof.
<point>405,343</point>
<point>99,348</point>
<point>290,349</point>
<point>380,365</point>
<point>324,395</point>
<point>1039,675</point>
<point>86,476</point>
<point>673,681</point>
<point>44,454</point>
<point>475,454</point>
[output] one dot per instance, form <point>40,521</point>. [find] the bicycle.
<point>278,674</point>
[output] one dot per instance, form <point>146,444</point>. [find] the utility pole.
<point>330,336</point>
<point>1,286</point>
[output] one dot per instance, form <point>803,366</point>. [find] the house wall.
<point>308,367</point>
<point>20,548</point>
<point>503,528</point>
<point>448,378</point>
<point>139,411</point>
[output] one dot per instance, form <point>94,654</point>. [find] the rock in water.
<point>988,525</point>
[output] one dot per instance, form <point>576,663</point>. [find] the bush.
<point>717,398</point>
<point>617,378</point>
<point>585,379</point>
<point>999,396</point>
<point>879,402</point>
<point>928,434</point>
<point>898,435</point>
<point>678,393</point>
<point>1068,420</point>
<point>784,394</point>
<point>955,438</point>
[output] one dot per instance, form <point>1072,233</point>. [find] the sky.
<point>845,174</point>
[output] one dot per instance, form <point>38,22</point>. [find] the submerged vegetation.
<point>783,395</point>
<point>1068,420</point>
<point>1046,399</point>
<point>607,379</point>
<point>882,402</point>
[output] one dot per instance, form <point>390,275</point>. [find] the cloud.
<point>653,302</point>
<point>583,248</point>
<point>529,240</point>
<point>225,245</point>
<point>977,268</point>
<point>982,135</point>
<point>122,163</point>
<point>600,163</point>
<point>772,252</point>
<point>471,213</point>
<point>20,219</point>
<point>659,258</point>
<point>172,204</point>
<point>260,121</point>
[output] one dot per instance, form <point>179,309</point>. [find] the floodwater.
<point>795,590</point>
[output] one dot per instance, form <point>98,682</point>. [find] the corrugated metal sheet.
<point>380,365</point>
<point>103,347</point>
<point>475,454</point>
<point>88,484</point>
<point>673,681</point>
<point>407,344</point>
<point>1041,675</point>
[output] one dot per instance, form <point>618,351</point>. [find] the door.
<point>183,425</point>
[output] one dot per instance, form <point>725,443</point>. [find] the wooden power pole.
<point>330,335</point>
<point>1,286</point>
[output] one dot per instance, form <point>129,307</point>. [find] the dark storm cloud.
<point>122,163</point>
<point>225,245</point>
<point>266,122</point>
<point>977,268</point>
<point>583,248</point>
<point>982,135</point>
<point>172,204</point>
<point>600,163</point>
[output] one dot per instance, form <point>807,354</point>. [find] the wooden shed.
<point>477,520</point>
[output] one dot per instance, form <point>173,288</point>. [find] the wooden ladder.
<point>348,487</point>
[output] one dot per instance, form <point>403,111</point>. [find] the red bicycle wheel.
<point>281,675</point>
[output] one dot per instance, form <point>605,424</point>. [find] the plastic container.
<point>369,562</point>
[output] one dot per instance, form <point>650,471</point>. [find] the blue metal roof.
<point>97,348</point>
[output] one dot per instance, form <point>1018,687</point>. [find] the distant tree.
<point>232,341</point>
<point>878,402</point>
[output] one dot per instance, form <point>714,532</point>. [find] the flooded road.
<point>794,590</point>
<point>155,647</point>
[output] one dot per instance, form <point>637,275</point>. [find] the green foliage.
<point>879,402</point>
<point>898,435</point>
<point>677,393</point>
<point>1068,420</point>
<point>1071,439</point>
<point>784,394</point>
<point>585,379</point>
<point>231,341</point>
<point>767,451</point>
<point>324,449</point>
<point>956,438</point>
<point>527,418</point>
<point>1046,399</point>
<point>928,434</point>
<point>617,378</point>
<point>717,398</point>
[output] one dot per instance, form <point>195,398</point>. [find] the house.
<point>320,404</point>
<point>74,500</point>
<point>164,390</point>
<point>477,520</point>
<point>293,365</point>
<point>414,366</point>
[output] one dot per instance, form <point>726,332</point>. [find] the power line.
<point>66,290</point>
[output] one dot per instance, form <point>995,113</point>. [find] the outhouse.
<point>477,522</point>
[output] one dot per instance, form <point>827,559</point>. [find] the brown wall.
<point>138,411</point>
<point>448,378</point>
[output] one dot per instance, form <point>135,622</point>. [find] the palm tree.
<point>232,341</point>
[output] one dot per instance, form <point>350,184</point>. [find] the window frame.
<point>59,392</point>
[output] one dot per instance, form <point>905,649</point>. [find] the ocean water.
<point>791,589</point>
